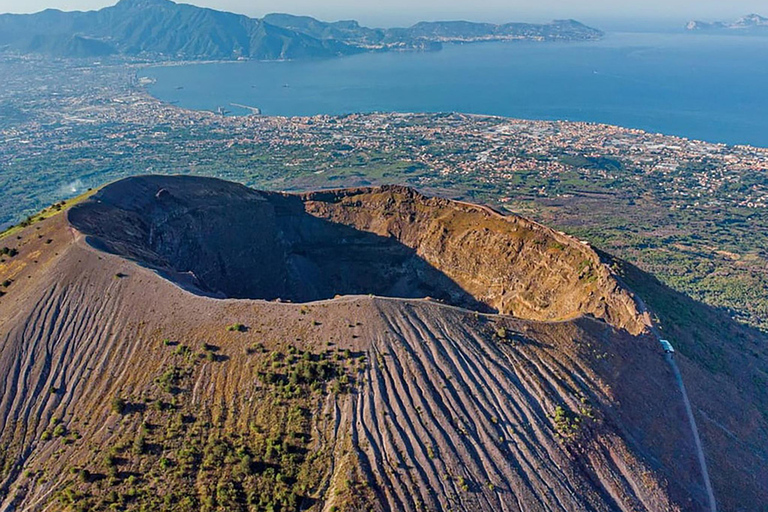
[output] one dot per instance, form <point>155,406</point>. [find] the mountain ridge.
<point>162,29</point>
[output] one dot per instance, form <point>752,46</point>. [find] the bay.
<point>707,87</point>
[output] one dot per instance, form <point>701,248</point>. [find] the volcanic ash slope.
<point>434,355</point>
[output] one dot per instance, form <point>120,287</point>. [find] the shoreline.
<point>685,122</point>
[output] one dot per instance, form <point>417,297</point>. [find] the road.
<point>696,438</point>
<point>643,309</point>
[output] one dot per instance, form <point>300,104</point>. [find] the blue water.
<point>713,88</point>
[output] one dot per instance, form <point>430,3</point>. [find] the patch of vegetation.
<point>47,213</point>
<point>118,405</point>
<point>182,350</point>
<point>171,379</point>
<point>59,430</point>
<point>237,328</point>
<point>567,423</point>
<point>462,483</point>
<point>181,457</point>
<point>597,163</point>
<point>302,372</point>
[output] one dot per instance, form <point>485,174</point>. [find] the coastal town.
<point>98,116</point>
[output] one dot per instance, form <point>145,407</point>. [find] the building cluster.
<point>99,114</point>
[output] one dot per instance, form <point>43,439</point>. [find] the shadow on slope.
<point>226,240</point>
<point>725,368</point>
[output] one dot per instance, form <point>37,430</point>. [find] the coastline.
<point>356,84</point>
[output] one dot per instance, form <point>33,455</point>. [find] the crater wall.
<point>227,240</point>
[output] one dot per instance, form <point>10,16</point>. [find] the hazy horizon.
<point>400,12</point>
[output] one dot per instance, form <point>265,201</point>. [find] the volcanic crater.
<point>124,381</point>
<point>225,240</point>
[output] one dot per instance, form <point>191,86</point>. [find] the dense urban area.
<point>693,213</point>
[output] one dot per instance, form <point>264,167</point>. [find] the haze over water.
<point>701,87</point>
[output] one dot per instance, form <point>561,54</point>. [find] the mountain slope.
<point>126,384</point>
<point>162,29</point>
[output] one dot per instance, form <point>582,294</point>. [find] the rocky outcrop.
<point>513,265</point>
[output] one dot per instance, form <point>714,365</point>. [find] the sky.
<point>402,12</point>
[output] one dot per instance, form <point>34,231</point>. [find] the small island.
<point>750,24</point>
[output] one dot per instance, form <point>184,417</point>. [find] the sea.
<point>706,87</point>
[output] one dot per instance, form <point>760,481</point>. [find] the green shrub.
<point>169,379</point>
<point>182,350</point>
<point>567,423</point>
<point>118,405</point>
<point>139,445</point>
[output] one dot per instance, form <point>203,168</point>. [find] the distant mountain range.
<point>752,23</point>
<point>162,29</point>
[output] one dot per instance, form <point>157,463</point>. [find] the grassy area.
<point>47,213</point>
